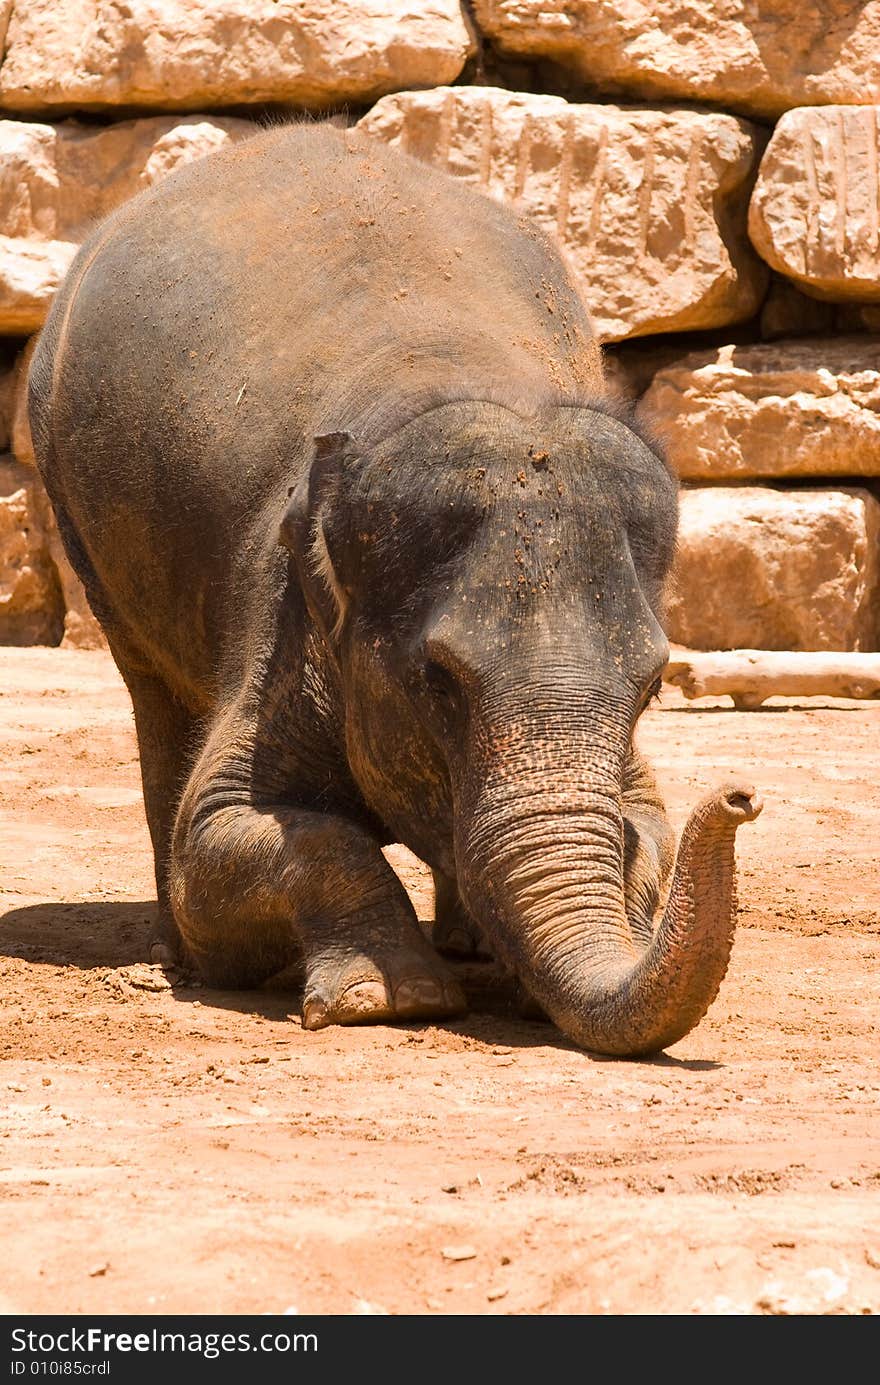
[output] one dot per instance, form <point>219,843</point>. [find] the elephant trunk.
<point>540,858</point>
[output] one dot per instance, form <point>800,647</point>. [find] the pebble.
<point>495,1294</point>
<point>364,1307</point>
<point>97,1270</point>
<point>458,1253</point>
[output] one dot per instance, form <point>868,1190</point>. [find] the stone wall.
<point>711,173</point>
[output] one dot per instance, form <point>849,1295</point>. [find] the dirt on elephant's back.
<point>164,1149</point>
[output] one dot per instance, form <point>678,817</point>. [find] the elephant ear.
<point>302,530</point>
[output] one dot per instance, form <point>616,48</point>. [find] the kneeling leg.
<point>254,884</point>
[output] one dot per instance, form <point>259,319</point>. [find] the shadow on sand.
<point>93,935</point>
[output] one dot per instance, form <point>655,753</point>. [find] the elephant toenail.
<point>416,993</point>
<point>314,1013</point>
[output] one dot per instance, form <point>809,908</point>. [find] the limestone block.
<point>806,407</point>
<point>649,205</point>
<point>31,605</point>
<point>629,367</point>
<point>815,212</point>
<point>757,58</point>
<point>58,181</point>
<point>66,55</point>
<point>760,568</point>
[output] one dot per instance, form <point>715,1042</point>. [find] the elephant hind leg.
<point>454,933</point>
<point>166,731</point>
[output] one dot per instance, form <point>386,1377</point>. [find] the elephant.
<point>380,559</point>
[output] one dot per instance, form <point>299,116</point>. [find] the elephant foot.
<point>459,937</point>
<point>167,949</point>
<point>168,952</point>
<point>454,933</point>
<point>527,1008</point>
<point>163,955</point>
<point>353,988</point>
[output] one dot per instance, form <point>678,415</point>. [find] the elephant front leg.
<point>254,885</point>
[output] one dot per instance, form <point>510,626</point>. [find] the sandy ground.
<point>180,1150</point>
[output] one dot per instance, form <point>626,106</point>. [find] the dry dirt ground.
<point>181,1150</point>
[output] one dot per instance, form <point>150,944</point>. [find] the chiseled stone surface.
<point>761,568</point>
<point>191,54</point>
<point>650,205</point>
<point>761,59</point>
<point>57,181</point>
<point>31,604</point>
<point>815,211</point>
<point>807,407</point>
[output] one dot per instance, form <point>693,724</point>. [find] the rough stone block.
<point>68,55</point>
<point>57,181</point>
<point>649,205</point>
<point>31,604</point>
<point>757,58</point>
<point>807,407</point>
<point>815,212</point>
<point>759,568</point>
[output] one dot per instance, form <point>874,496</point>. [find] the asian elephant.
<point>379,559</point>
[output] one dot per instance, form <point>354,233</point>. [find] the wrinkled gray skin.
<point>326,438</point>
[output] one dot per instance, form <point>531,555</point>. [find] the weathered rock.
<point>814,214</point>
<point>56,181</point>
<point>650,205</point>
<point>30,272</point>
<point>757,58</point>
<point>31,605</point>
<point>191,54</point>
<point>786,312</point>
<point>5,12</point>
<point>760,568</point>
<point>750,676</point>
<point>808,407</point>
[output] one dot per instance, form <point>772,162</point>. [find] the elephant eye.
<point>651,694</point>
<point>440,682</point>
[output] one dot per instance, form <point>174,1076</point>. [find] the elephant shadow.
<point>107,935</point>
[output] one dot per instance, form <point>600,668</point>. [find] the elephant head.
<point>489,579</point>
